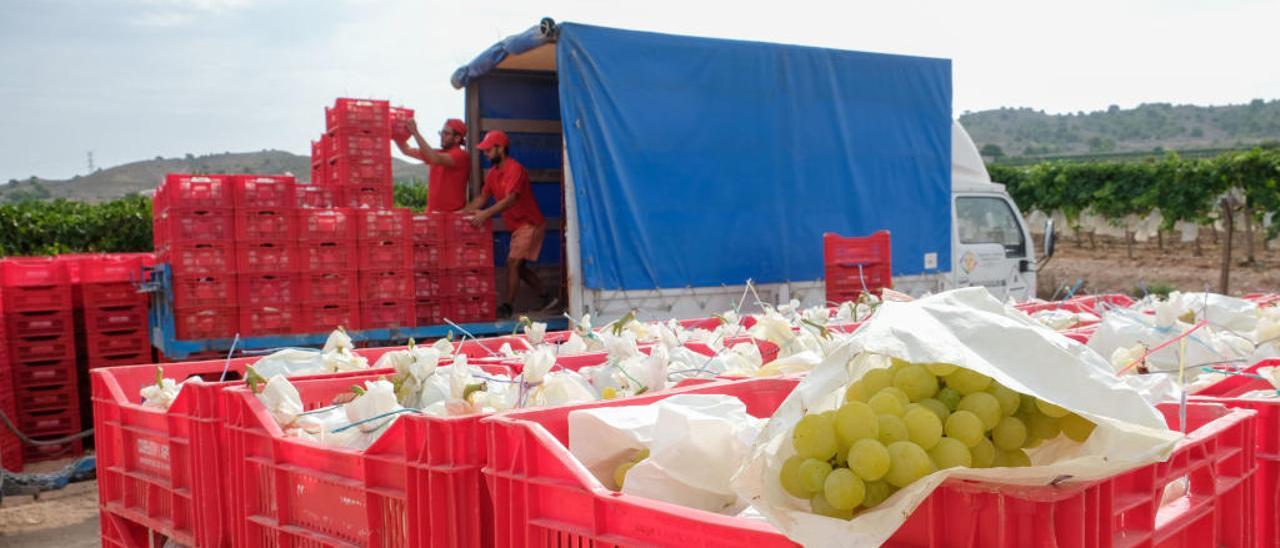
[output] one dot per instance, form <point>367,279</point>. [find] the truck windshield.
<point>988,220</point>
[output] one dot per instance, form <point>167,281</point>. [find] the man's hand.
<point>478,219</point>
<point>412,126</point>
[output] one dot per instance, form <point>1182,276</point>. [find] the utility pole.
<point>90,161</point>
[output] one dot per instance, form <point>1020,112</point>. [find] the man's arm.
<point>495,209</point>
<point>408,150</point>
<point>426,153</point>
<point>478,202</point>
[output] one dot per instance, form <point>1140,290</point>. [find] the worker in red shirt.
<point>450,165</point>
<point>507,183</point>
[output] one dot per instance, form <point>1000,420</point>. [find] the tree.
<point>992,150</point>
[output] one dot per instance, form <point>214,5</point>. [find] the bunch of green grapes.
<point>904,422</point>
<point>620,472</point>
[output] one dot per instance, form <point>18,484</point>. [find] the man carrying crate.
<point>450,166</point>
<point>507,183</point>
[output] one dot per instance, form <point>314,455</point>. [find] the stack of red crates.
<point>453,269</point>
<point>10,445</point>
<point>353,158</point>
<point>384,239</point>
<point>328,270</point>
<point>42,357</point>
<point>115,313</point>
<point>195,233</point>
<point>268,261</point>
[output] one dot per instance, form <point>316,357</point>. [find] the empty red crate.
<point>204,290</point>
<point>473,281</point>
<point>385,255</point>
<point>264,191</point>
<point>391,285</point>
<point>362,114</point>
<point>116,318</point>
<point>480,308</point>
<point>44,422</point>
<point>468,255</point>
<point>188,224</point>
<point>430,227</point>
<point>112,294</point>
<point>314,195</point>
<point>326,225</point>
<point>31,285</point>
<point>431,311</point>
<point>372,195</point>
<point>206,322</point>
<point>268,320</point>
<point>266,224</point>
<point>56,347</point>
<point>117,360</point>
<point>200,191</point>
<point>358,171</point>
<point>325,317</point>
<point>318,149</point>
<point>461,230</point>
<point>110,268</point>
<point>35,324</point>
<point>384,224</point>
<point>344,142</point>
<point>117,343</point>
<point>330,287</point>
<point>266,256</point>
<point>48,397</point>
<point>326,256</point>
<point>54,451</point>
<point>429,256</point>
<point>852,265</point>
<point>432,284</point>
<point>386,314</point>
<point>32,373</point>
<point>400,118</point>
<point>201,257</point>
<point>267,289</point>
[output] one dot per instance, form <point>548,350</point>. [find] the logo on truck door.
<point>968,262</point>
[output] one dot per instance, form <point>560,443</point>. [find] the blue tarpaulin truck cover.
<point>700,162</point>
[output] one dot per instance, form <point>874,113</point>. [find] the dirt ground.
<point>67,518</point>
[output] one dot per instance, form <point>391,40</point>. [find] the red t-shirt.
<point>508,177</point>
<point>447,186</point>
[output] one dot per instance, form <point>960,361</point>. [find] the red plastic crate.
<point>345,142</point>
<point>540,492</point>
<point>429,256</point>
<point>419,484</point>
<point>35,284</point>
<point>264,191</point>
<point>96,295</point>
<point>116,318</point>
<point>358,171</point>
<point>48,422</point>
<point>373,195</point>
<point>117,360</point>
<point>385,255</point>
<point>201,290</point>
<point>206,257</point>
<point>466,309</point>
<point>461,230</point>
<point>199,191</point>
<point>269,320</point>
<point>266,256</point>
<point>38,299</point>
<point>384,224</point>
<point>468,255</point>
<point>388,285</point>
<point>55,347</point>
<point>194,225</point>
<point>325,317</point>
<point>37,324</point>
<point>318,148</point>
<point>330,287</point>
<point>32,373</point>
<point>473,282</point>
<point>266,224</point>
<point>852,265</point>
<point>432,284</point>
<point>42,398</point>
<point>400,118</point>
<point>133,342</point>
<point>39,453</point>
<point>430,227</point>
<point>326,225</point>
<point>268,289</point>
<point>206,322</point>
<point>110,268</point>
<point>431,311</point>
<point>314,195</point>
<point>326,256</point>
<point>387,314</point>
<point>361,114</point>
<point>1228,392</point>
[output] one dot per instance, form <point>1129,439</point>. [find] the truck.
<point>683,176</point>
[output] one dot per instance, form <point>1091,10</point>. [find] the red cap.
<point>456,126</point>
<point>493,138</point>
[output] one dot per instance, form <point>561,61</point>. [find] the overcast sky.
<point>133,79</point>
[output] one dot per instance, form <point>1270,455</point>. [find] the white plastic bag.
<point>969,328</point>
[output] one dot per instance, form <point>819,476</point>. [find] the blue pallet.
<point>164,335</point>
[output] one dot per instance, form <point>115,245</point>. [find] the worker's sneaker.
<point>548,302</point>
<point>504,311</point>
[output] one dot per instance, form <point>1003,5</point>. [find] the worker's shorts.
<point>526,242</point>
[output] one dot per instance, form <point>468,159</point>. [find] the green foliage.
<point>62,226</point>
<point>411,195</point>
<point>1159,289</point>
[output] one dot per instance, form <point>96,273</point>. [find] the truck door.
<point>992,249</point>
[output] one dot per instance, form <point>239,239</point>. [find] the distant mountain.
<point>143,176</point>
<point>1154,127</point>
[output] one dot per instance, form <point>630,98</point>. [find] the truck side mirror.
<point>1049,238</point>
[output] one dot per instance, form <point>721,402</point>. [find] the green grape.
<point>790,478</point>
<point>885,403</point>
<point>1010,434</point>
<point>1076,427</point>
<point>876,380</point>
<point>856,420</point>
<point>949,453</point>
<point>1050,409</point>
<point>812,473</point>
<point>869,459</point>
<point>1009,400</point>
<point>896,365</point>
<point>898,393</point>
<point>892,429</point>
<point>940,369</point>
<point>1015,459</point>
<point>815,436</point>
<point>843,489</point>
<point>965,427</point>
<point>620,473</point>
<point>841,457</point>
<point>940,409</point>
<point>949,397</point>
<point>985,406</point>
<point>821,507</point>
<point>1041,427</point>
<point>916,382</point>
<point>967,381</point>
<point>907,463</point>
<point>876,493</point>
<point>984,453</point>
<point>1027,405</point>
<point>923,427</point>
<point>856,392</point>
